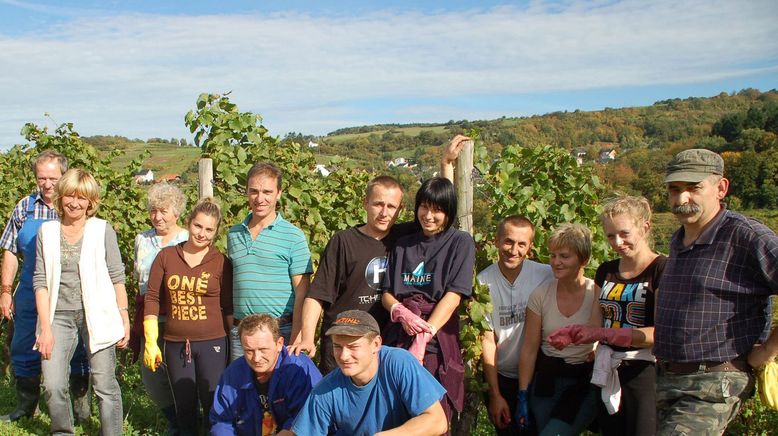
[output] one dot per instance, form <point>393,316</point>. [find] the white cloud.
<point>137,75</point>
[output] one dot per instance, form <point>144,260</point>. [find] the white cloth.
<point>103,317</point>
<point>509,302</point>
<point>606,374</point>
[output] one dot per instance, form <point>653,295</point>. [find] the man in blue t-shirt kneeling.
<point>375,390</point>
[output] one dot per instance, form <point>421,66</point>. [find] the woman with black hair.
<point>428,274</point>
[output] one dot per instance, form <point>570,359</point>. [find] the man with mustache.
<point>712,309</point>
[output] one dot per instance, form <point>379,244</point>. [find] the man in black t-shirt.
<point>352,268</point>
<point>353,263</point>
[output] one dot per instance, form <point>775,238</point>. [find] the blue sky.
<point>134,68</point>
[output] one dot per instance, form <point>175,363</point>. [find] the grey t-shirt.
<point>70,281</point>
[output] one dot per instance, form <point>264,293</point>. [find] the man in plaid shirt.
<point>713,306</point>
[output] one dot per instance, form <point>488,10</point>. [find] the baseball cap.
<point>353,323</point>
<point>694,166</point>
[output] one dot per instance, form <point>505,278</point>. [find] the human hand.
<point>412,323</point>
<point>307,347</point>
<point>759,356</point>
<point>152,355</point>
<point>7,305</point>
<point>123,342</point>
<point>522,410</point>
<point>562,337</point>
<point>419,346</point>
<point>452,150</point>
<point>499,413</point>
<point>44,343</point>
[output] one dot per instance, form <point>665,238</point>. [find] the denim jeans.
<point>66,328</point>
<point>542,408</point>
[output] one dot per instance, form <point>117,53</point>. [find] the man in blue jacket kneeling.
<point>261,393</point>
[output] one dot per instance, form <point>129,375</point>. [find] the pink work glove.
<point>562,337</point>
<point>419,346</point>
<point>621,337</point>
<point>412,324</point>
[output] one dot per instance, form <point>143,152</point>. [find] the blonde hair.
<point>636,208</point>
<point>207,207</point>
<point>576,237</point>
<point>79,182</point>
<point>166,196</point>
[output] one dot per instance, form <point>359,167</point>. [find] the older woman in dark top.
<point>79,291</point>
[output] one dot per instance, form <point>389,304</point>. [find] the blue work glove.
<point>522,411</point>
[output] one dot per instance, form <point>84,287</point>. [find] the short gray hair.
<point>166,196</point>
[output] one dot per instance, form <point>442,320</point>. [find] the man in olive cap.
<point>712,312</point>
<point>375,389</point>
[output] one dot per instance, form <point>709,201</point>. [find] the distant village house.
<point>144,176</point>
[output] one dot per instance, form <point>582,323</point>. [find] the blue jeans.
<point>542,407</point>
<point>68,325</point>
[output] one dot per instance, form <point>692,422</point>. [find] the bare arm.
<point>529,349</point>
<point>301,282</point>
<point>430,422</point>
<point>450,155</point>
<point>444,309</point>
<point>499,412</point>
<point>388,300</point>
<point>7,275</point>
<point>311,312</point>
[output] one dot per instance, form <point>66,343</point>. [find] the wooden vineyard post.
<point>464,424</point>
<point>463,180</point>
<point>205,178</point>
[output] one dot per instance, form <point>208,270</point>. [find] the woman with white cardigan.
<point>79,291</point>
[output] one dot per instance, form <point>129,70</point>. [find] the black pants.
<point>637,412</point>
<point>194,368</point>
<point>509,389</point>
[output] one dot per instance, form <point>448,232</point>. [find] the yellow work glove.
<point>767,380</point>
<point>152,356</point>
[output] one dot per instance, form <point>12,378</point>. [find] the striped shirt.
<point>263,268</point>
<point>713,304</point>
<point>19,216</point>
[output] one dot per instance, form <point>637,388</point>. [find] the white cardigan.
<point>103,317</point>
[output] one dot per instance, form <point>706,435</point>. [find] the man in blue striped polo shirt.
<point>271,262</point>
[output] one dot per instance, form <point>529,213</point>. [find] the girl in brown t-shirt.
<point>192,284</point>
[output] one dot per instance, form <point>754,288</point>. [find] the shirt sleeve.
<point>222,414</point>
<point>535,302</point>
<point>137,264</point>
<point>154,286</point>
<point>599,276</point>
<point>482,279</point>
<point>301,380</point>
<point>300,257</point>
<point>113,257</point>
<point>225,293</point>
<point>315,417</point>
<point>11,231</point>
<point>462,264</point>
<point>764,249</point>
<point>387,284</point>
<point>418,388</point>
<point>325,283</point>
<point>39,276</point>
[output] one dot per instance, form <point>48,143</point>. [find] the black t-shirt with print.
<point>432,265</point>
<point>349,277</point>
<point>628,302</point>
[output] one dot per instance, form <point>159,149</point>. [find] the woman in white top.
<point>554,383</point>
